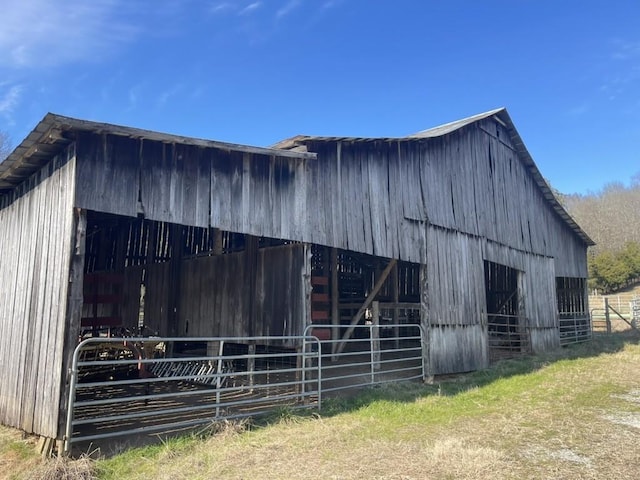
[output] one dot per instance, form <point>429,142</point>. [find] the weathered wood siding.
<point>457,333</point>
<point>156,301</point>
<point>241,294</point>
<point>476,184</point>
<point>371,197</point>
<point>108,174</point>
<point>357,200</point>
<point>36,222</point>
<point>374,197</point>
<point>457,348</point>
<point>249,193</point>
<point>537,291</point>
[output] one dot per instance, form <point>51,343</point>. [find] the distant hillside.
<point>611,218</point>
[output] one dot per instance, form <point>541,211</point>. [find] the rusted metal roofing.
<point>298,143</point>
<point>54,132</point>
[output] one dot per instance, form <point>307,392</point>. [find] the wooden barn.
<point>103,225</point>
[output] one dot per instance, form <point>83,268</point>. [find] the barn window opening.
<point>507,335</point>
<point>573,310</point>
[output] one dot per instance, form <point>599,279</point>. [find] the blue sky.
<point>255,72</point>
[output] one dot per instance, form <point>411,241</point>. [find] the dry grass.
<point>572,415</point>
<point>19,459</point>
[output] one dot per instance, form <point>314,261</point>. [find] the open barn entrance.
<point>144,277</point>
<point>573,311</point>
<point>506,332</point>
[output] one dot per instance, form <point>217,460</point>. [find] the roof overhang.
<point>54,132</point>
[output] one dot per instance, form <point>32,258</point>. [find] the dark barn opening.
<point>505,325</point>
<point>573,310</point>
<point>345,286</point>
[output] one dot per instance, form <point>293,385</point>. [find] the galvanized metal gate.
<point>140,386</point>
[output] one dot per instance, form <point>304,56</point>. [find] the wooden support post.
<point>425,323</point>
<point>395,291</point>
<point>174,279</point>
<point>335,300</point>
<point>218,247</point>
<point>356,318</point>
<point>606,314</point>
<point>251,365</point>
<point>251,293</point>
<point>75,299</point>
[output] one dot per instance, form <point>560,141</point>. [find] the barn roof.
<point>298,143</point>
<point>54,132</point>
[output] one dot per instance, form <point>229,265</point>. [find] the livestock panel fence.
<point>137,388</point>
<point>615,313</point>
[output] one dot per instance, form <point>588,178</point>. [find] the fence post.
<point>251,364</point>
<point>375,336</point>
<point>606,314</point>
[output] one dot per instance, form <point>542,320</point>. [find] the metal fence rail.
<point>574,328</point>
<point>138,386</point>
<point>373,354</point>
<point>507,336</point>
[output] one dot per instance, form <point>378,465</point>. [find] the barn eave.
<point>54,132</point>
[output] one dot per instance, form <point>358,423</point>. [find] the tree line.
<point>611,217</point>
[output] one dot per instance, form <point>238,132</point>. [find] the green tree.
<point>612,270</point>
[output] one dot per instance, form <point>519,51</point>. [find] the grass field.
<point>573,414</point>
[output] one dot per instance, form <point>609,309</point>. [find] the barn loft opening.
<point>505,320</point>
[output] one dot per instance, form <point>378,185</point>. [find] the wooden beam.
<point>75,299</point>
<point>356,318</point>
<point>175,269</point>
<point>425,322</point>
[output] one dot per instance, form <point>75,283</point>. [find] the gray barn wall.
<point>446,202</point>
<point>372,197</point>
<point>240,294</point>
<point>478,201</point>
<point>35,233</point>
<point>476,184</point>
<point>455,272</point>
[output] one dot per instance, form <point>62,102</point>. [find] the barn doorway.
<point>507,334</point>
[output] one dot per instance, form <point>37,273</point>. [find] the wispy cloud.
<point>164,97</point>
<point>287,8</point>
<point>44,33</point>
<point>331,4</point>
<point>252,7</point>
<point>578,110</point>
<point>221,7</point>
<point>9,99</point>
<point>626,50</point>
<point>623,69</point>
